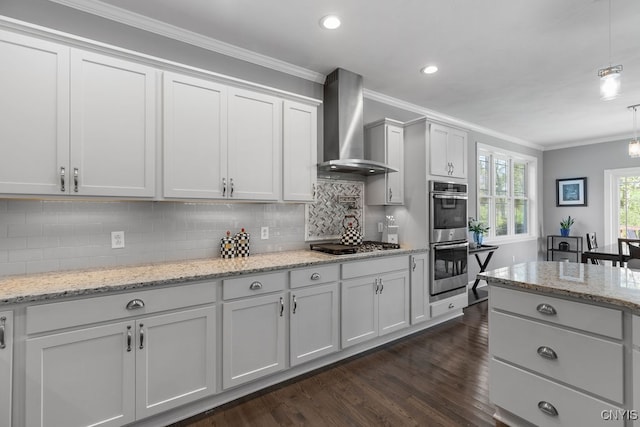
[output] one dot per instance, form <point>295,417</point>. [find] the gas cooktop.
<point>366,246</point>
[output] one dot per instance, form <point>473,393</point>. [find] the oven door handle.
<point>454,246</point>
<point>443,196</point>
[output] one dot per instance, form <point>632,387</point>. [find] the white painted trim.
<point>611,201</point>
<point>123,16</point>
<point>588,142</point>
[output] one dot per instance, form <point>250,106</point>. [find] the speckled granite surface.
<point>596,283</point>
<point>49,286</point>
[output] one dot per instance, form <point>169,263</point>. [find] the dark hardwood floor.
<point>438,377</point>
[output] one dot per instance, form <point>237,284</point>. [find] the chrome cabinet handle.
<point>453,167</point>
<point>135,304</point>
<point>281,306</point>
<point>548,408</point>
<point>224,187</point>
<point>315,276</point>
<point>75,180</point>
<point>129,338</point>
<point>390,194</point>
<point>313,188</point>
<point>546,309</point>
<point>141,336</point>
<point>414,264</point>
<point>377,285</point>
<point>255,286</point>
<point>295,304</point>
<point>231,183</point>
<point>381,286</point>
<point>547,352</point>
<point>62,172</point>
<point>3,343</point>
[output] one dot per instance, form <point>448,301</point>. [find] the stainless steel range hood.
<point>344,126</point>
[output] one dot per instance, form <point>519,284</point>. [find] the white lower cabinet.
<point>115,373</point>
<point>313,330</point>
<point>374,306</point>
<point>419,278</point>
<point>253,338</point>
<point>6,366</point>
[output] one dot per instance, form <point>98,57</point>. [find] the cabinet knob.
<point>548,408</point>
<point>255,286</point>
<point>546,309</point>
<point>135,304</point>
<point>547,352</point>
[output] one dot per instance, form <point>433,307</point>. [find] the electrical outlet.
<point>380,227</point>
<point>264,233</point>
<point>514,259</point>
<point>117,239</point>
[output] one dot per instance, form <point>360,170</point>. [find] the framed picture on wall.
<point>571,192</point>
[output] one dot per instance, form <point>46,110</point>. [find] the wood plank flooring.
<point>437,377</point>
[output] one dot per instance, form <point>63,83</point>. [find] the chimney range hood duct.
<point>344,127</point>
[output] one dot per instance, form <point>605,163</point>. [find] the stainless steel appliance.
<point>339,249</point>
<point>448,239</point>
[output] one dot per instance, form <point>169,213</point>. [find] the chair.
<point>592,244</point>
<point>629,247</point>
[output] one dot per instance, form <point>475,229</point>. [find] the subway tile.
<point>13,243</point>
<point>25,205</point>
<point>12,268</point>
<point>42,266</point>
<point>57,229</point>
<point>43,242</point>
<point>24,230</point>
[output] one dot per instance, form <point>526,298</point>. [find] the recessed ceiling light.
<point>429,69</point>
<point>330,22</point>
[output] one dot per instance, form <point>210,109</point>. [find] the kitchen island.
<point>564,344</point>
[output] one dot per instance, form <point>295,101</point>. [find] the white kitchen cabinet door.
<point>314,323</point>
<point>195,137</point>
<point>175,359</point>
<point>359,307</point>
<point>419,277</point>
<point>384,143</point>
<point>447,151</point>
<point>253,339</point>
<point>300,151</point>
<point>393,302</point>
<point>254,145</point>
<point>113,126</point>
<point>34,115</point>
<point>81,378</point>
<point>6,366</point>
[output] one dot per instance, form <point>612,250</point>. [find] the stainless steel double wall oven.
<point>448,238</point>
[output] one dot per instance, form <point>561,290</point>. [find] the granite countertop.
<point>49,286</point>
<point>596,283</point>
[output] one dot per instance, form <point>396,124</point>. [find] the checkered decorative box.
<point>242,243</point>
<point>228,246</point>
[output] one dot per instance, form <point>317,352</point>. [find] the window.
<point>506,192</point>
<point>622,204</point>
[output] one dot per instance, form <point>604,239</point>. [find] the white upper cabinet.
<point>254,146</point>
<point>113,117</point>
<point>195,137</point>
<point>384,142</point>
<point>448,151</point>
<point>34,115</point>
<point>300,151</point>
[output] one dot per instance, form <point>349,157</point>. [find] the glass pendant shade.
<point>610,82</point>
<point>634,148</point>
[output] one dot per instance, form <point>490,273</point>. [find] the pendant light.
<point>634,144</point>
<point>610,76</point>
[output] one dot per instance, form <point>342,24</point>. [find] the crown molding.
<point>579,143</point>
<point>445,119</point>
<point>117,14</point>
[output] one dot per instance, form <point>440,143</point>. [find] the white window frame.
<point>531,183</point>
<point>612,201</point>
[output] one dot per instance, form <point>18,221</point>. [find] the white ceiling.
<point>522,68</point>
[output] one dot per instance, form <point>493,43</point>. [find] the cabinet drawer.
<point>521,392</point>
<point>253,285</point>
<point>446,305</point>
<point>374,266</point>
<point>315,275</point>
<point>590,318</point>
<point>520,341</point>
<point>69,314</point>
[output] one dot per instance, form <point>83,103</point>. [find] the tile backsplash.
<point>43,236</point>
<point>335,199</point>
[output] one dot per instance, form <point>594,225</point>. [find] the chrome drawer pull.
<point>281,306</point>
<point>315,276</point>
<point>3,343</point>
<point>451,305</point>
<point>75,180</point>
<point>62,172</point>
<point>547,408</point>
<point>546,309</point>
<point>547,352</point>
<point>129,338</point>
<point>224,187</point>
<point>255,286</point>
<point>135,304</point>
<point>295,304</point>
<point>141,336</point>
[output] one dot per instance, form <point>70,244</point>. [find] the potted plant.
<point>478,229</point>
<point>565,226</point>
